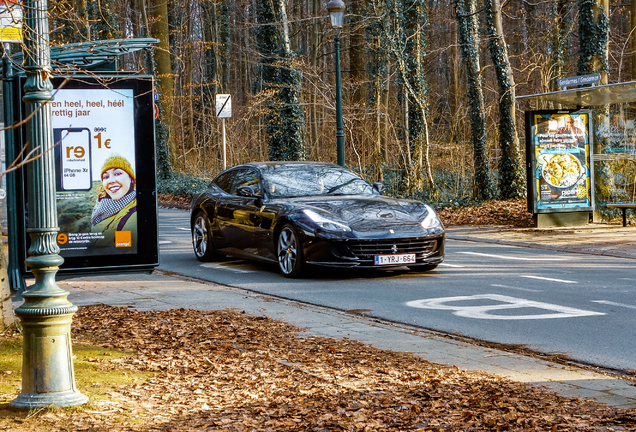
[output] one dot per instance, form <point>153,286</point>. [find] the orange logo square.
<point>123,239</point>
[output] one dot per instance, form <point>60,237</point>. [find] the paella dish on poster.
<point>562,170</point>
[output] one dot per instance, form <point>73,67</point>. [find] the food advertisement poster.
<point>94,134</point>
<point>559,146</point>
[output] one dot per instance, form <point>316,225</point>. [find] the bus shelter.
<point>580,157</point>
<point>102,120</point>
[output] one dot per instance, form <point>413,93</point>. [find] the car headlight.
<point>324,223</point>
<point>431,220</point>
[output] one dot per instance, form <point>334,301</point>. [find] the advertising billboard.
<point>94,133</point>
<point>558,150</point>
<point>103,129</point>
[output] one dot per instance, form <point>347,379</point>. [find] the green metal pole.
<point>8,82</point>
<point>339,121</point>
<point>48,378</point>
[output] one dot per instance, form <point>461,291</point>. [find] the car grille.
<point>369,248</point>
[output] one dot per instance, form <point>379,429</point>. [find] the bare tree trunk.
<point>192,142</point>
<point>454,76</point>
<point>358,58</point>
<point>561,28</point>
<point>159,29</point>
<point>632,11</point>
<point>315,39</point>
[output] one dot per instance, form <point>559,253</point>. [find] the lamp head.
<point>336,10</point>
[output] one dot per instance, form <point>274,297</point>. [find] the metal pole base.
<point>48,378</point>
<point>64,399</point>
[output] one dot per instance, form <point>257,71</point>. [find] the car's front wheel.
<point>202,239</point>
<point>290,254</point>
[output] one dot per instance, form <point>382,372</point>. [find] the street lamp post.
<point>336,10</point>
<point>47,368</point>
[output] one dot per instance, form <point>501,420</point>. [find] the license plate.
<point>395,259</point>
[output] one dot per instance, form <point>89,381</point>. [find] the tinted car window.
<point>308,180</point>
<point>224,181</point>
<point>246,177</point>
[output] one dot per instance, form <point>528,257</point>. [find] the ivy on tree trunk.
<point>594,37</point>
<point>511,175</point>
<point>468,37</point>
<point>285,117</point>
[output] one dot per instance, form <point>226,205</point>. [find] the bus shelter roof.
<point>585,97</point>
<point>93,53</point>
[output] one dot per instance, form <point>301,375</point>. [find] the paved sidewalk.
<point>596,239</point>
<point>162,291</point>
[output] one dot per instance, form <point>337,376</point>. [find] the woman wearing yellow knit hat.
<point>116,206</point>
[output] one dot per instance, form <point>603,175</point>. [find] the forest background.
<point>428,85</point>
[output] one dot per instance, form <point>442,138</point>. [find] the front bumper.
<point>360,253</point>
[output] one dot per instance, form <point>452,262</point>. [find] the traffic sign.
<point>224,105</point>
<point>579,80</point>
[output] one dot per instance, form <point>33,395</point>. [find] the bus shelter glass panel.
<point>615,156</point>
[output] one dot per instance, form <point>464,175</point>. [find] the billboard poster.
<point>94,132</point>
<point>559,150</point>
<point>105,173</point>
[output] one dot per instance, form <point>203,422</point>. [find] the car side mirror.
<point>246,191</point>
<point>378,187</point>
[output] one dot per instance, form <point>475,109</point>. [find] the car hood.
<point>369,213</point>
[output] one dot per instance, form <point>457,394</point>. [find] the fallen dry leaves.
<point>227,370</point>
<point>512,212</point>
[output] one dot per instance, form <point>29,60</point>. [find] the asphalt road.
<point>583,306</point>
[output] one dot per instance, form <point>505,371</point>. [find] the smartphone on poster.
<point>73,152</point>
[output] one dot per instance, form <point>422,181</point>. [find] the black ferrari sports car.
<point>300,214</point>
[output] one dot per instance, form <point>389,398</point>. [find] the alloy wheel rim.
<point>287,250</point>
<point>199,235</point>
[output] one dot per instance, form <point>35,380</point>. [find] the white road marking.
<point>550,279</point>
<point>515,288</point>
<point>164,242</point>
<point>627,279</point>
<point>614,304</point>
<point>509,257</point>
<point>451,265</point>
<point>182,229</point>
<point>501,303</point>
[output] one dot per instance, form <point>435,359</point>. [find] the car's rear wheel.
<point>290,254</point>
<point>202,239</point>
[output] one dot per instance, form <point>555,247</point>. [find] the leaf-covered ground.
<point>501,212</point>
<point>229,371</point>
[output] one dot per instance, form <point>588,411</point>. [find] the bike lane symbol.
<point>499,303</point>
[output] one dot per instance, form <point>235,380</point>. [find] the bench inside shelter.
<point>623,207</point>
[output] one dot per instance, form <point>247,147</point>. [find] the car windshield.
<point>307,180</point>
